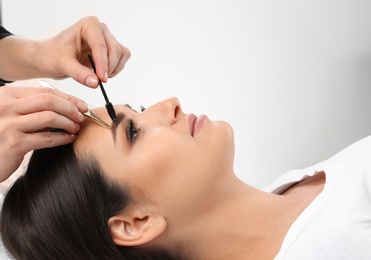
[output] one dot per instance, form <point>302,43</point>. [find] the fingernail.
<point>82,106</point>
<point>91,81</point>
<point>80,117</point>
<point>106,76</point>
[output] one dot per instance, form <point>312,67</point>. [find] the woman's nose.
<point>170,109</point>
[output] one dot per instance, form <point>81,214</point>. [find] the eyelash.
<point>131,131</point>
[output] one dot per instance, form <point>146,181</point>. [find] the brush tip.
<point>111,111</point>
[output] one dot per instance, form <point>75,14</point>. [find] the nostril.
<point>176,111</point>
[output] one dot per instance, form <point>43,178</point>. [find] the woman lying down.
<point>161,185</point>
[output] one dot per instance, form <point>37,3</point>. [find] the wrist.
<point>31,64</point>
<point>19,55</point>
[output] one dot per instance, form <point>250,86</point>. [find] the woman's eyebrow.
<point>119,118</point>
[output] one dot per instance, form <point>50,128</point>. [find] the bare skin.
<point>186,192</point>
<point>252,224</point>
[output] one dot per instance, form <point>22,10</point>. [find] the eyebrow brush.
<point>109,106</point>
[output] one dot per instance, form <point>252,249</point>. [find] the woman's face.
<point>171,157</point>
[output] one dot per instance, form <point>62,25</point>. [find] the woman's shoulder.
<point>346,160</point>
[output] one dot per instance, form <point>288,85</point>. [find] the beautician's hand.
<point>65,55</point>
<point>25,113</point>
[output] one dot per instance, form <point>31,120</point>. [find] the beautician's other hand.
<point>66,54</point>
<point>25,112</point>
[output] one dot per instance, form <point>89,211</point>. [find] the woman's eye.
<point>131,131</point>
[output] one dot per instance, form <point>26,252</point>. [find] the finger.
<point>122,62</point>
<point>115,49</point>
<point>34,122</point>
<point>81,73</point>
<point>93,35</point>
<point>47,102</point>
<point>22,92</point>
<point>34,141</point>
<point>13,156</point>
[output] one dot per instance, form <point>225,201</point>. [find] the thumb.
<point>81,74</point>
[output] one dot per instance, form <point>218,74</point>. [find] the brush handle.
<point>109,106</point>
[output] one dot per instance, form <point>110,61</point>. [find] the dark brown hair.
<point>59,209</point>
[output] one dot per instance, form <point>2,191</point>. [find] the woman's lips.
<point>195,123</point>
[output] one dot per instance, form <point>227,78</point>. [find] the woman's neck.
<point>243,221</point>
<point>250,223</point>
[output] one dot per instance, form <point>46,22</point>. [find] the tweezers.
<point>87,114</point>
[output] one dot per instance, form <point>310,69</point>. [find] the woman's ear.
<point>135,229</point>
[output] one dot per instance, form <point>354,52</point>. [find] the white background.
<point>292,77</point>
